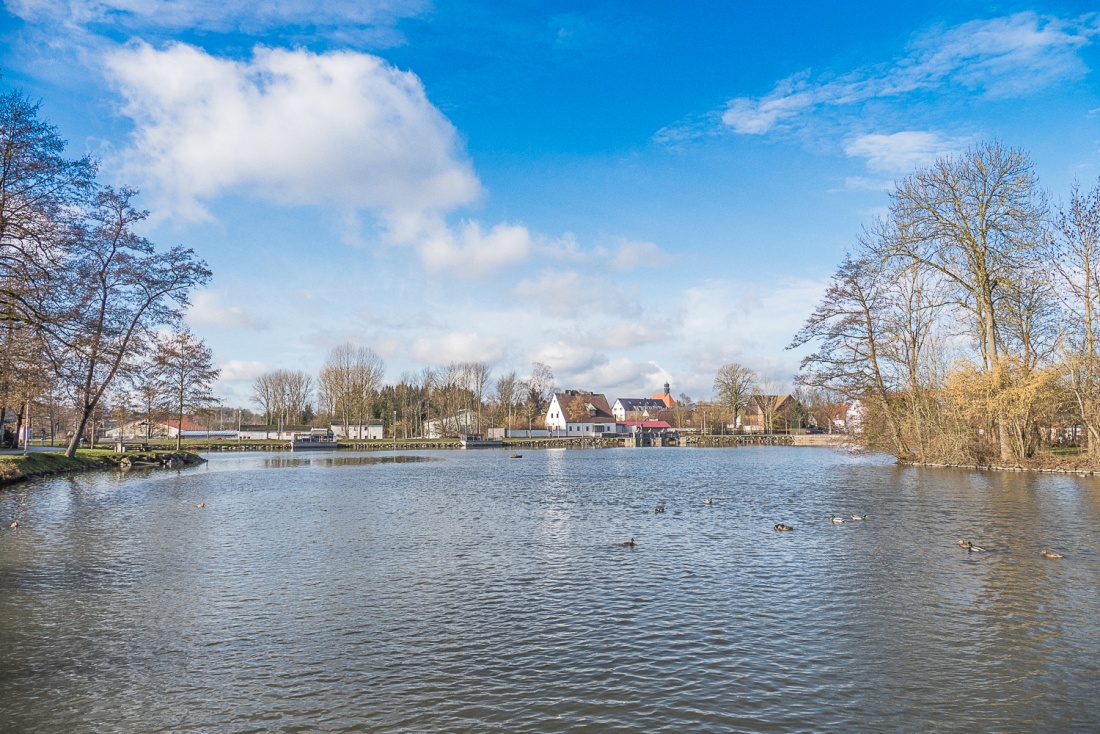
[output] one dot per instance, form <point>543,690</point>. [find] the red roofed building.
<point>666,397</point>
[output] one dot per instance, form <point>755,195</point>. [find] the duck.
<point>1051,554</point>
<point>516,456</point>
<point>708,501</point>
<point>963,543</point>
<point>974,548</point>
<point>14,525</point>
<point>836,519</point>
<point>780,527</point>
<point>659,509</point>
<point>859,517</point>
<point>201,505</point>
<point>630,543</point>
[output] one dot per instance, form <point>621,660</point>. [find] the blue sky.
<point>629,192</point>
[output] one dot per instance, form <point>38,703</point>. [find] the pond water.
<point>474,592</point>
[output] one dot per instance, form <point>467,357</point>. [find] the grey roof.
<point>630,404</point>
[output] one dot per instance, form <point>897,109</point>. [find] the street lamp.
<point>395,430</point>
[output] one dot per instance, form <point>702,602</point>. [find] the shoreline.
<point>995,467</point>
<point>18,468</point>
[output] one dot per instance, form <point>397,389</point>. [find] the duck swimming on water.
<point>836,519</point>
<point>630,543</point>
<point>659,509</point>
<point>1051,554</point>
<point>780,527</point>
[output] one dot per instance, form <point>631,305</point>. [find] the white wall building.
<point>577,413</point>
<point>358,431</point>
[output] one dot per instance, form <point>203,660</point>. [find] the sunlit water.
<point>475,592</point>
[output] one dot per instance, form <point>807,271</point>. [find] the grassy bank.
<point>17,468</point>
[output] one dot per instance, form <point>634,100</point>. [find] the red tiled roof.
<point>668,400</point>
<point>188,425</point>
<point>645,424</point>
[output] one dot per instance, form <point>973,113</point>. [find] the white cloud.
<point>557,292</point>
<point>566,358</point>
<point>631,255</point>
<point>727,320</point>
<point>903,151</point>
<point>623,374</point>
<point>748,116</point>
<point>237,370</point>
<point>998,57</point>
<point>296,127</point>
<point>469,252</point>
<point>631,334</point>
<point>457,347</point>
<point>208,309</point>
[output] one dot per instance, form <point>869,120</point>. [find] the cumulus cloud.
<point>209,309</point>
<point>624,373</point>
<point>293,126</point>
<point>457,347</point>
<point>468,251</point>
<point>998,58</point>
<point>566,358</point>
<point>238,370</point>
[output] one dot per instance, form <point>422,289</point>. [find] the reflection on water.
<point>283,460</point>
<point>475,593</point>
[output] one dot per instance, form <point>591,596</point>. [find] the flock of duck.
<point>781,527</point>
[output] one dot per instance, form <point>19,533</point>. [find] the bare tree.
<point>538,389</point>
<point>976,219</point>
<point>186,369</point>
<point>1072,257</point>
<point>733,384</point>
<point>41,193</point>
<point>284,396</point>
<point>118,287</point>
<point>506,390</point>
<point>478,379</point>
<point>349,382</point>
<point>850,330</point>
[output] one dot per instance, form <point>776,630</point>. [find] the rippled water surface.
<point>480,593</point>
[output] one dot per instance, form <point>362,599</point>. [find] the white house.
<point>645,408</point>
<point>358,431</point>
<point>464,421</point>
<point>579,413</point>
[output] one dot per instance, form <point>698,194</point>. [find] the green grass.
<point>16,468</point>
